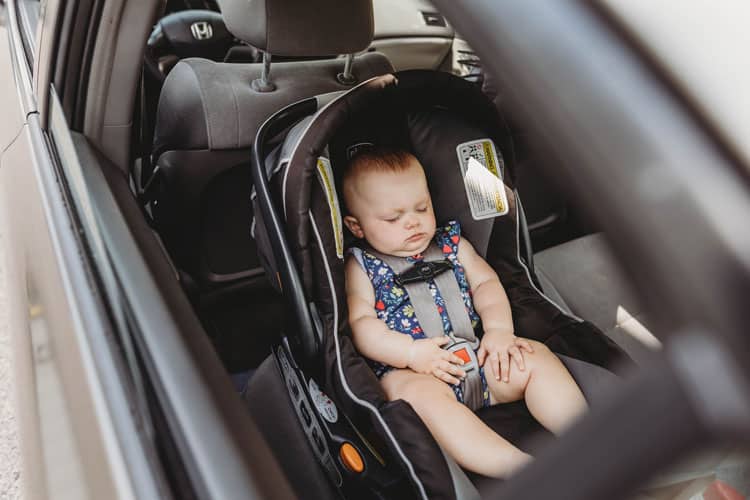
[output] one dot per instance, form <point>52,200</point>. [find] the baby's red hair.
<point>375,159</point>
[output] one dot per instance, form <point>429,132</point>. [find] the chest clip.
<point>423,271</point>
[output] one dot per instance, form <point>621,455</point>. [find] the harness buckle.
<point>464,350</point>
<point>423,271</point>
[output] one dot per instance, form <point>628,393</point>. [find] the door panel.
<point>60,424</point>
<point>65,402</point>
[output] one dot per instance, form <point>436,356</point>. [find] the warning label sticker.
<point>482,171</point>
<point>329,187</point>
<point>323,403</point>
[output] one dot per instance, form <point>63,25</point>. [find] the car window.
<point>28,22</point>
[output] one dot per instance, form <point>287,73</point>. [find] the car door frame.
<point>75,403</point>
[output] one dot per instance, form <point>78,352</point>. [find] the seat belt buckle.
<point>464,350</point>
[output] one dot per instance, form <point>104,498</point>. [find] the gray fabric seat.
<point>582,275</point>
<point>209,113</point>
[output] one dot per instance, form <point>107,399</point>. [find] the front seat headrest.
<point>301,28</point>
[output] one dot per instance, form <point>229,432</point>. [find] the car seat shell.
<point>418,101</point>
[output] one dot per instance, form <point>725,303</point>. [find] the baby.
<point>390,207</point>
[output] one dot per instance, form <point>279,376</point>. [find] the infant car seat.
<point>298,158</point>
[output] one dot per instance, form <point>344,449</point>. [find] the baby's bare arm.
<point>372,337</point>
<point>375,340</point>
<point>490,300</point>
<point>499,344</point>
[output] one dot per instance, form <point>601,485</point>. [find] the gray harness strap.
<point>432,324</point>
<point>454,302</point>
<point>420,296</point>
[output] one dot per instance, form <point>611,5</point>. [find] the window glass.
<point>28,23</point>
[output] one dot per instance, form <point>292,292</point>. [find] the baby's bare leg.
<point>457,429</point>
<point>550,392</point>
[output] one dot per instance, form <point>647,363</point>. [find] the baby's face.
<point>393,211</point>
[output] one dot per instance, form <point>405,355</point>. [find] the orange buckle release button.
<point>351,458</point>
<point>463,354</point>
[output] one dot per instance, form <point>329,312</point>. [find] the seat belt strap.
<point>464,342</point>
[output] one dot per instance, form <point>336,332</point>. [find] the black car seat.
<point>208,115</point>
<point>547,213</point>
<point>431,114</point>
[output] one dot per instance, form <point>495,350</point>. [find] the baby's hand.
<point>500,348</point>
<point>426,356</point>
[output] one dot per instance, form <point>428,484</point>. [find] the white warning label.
<point>481,168</point>
<point>323,403</point>
<point>326,180</point>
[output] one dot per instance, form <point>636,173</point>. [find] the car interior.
<point>212,75</point>
<point>197,198</point>
<point>202,100</point>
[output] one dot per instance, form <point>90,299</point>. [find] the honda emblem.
<point>202,30</point>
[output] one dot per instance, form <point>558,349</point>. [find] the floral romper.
<point>393,306</point>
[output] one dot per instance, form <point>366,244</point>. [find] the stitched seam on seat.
<point>315,116</point>
<point>236,113</point>
<point>528,273</point>
<point>203,105</point>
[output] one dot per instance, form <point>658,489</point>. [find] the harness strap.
<point>429,318</point>
<point>472,383</point>
<point>419,294</point>
<point>454,302</point>
<point>423,302</point>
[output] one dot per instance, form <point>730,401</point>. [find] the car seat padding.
<point>415,99</point>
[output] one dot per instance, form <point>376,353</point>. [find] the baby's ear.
<point>352,224</point>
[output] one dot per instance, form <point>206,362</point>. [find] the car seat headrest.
<point>299,28</point>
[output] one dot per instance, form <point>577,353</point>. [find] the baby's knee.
<point>541,357</point>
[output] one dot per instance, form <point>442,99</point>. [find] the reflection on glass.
<point>62,465</point>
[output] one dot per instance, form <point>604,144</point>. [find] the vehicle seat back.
<point>209,113</point>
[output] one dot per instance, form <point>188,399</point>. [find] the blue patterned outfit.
<point>393,306</point>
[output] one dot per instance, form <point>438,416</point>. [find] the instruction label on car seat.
<point>482,171</point>
<point>329,187</point>
<point>323,403</point>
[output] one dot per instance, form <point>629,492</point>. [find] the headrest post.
<point>263,84</point>
<point>347,77</point>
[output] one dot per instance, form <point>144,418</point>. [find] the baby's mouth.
<point>415,237</point>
